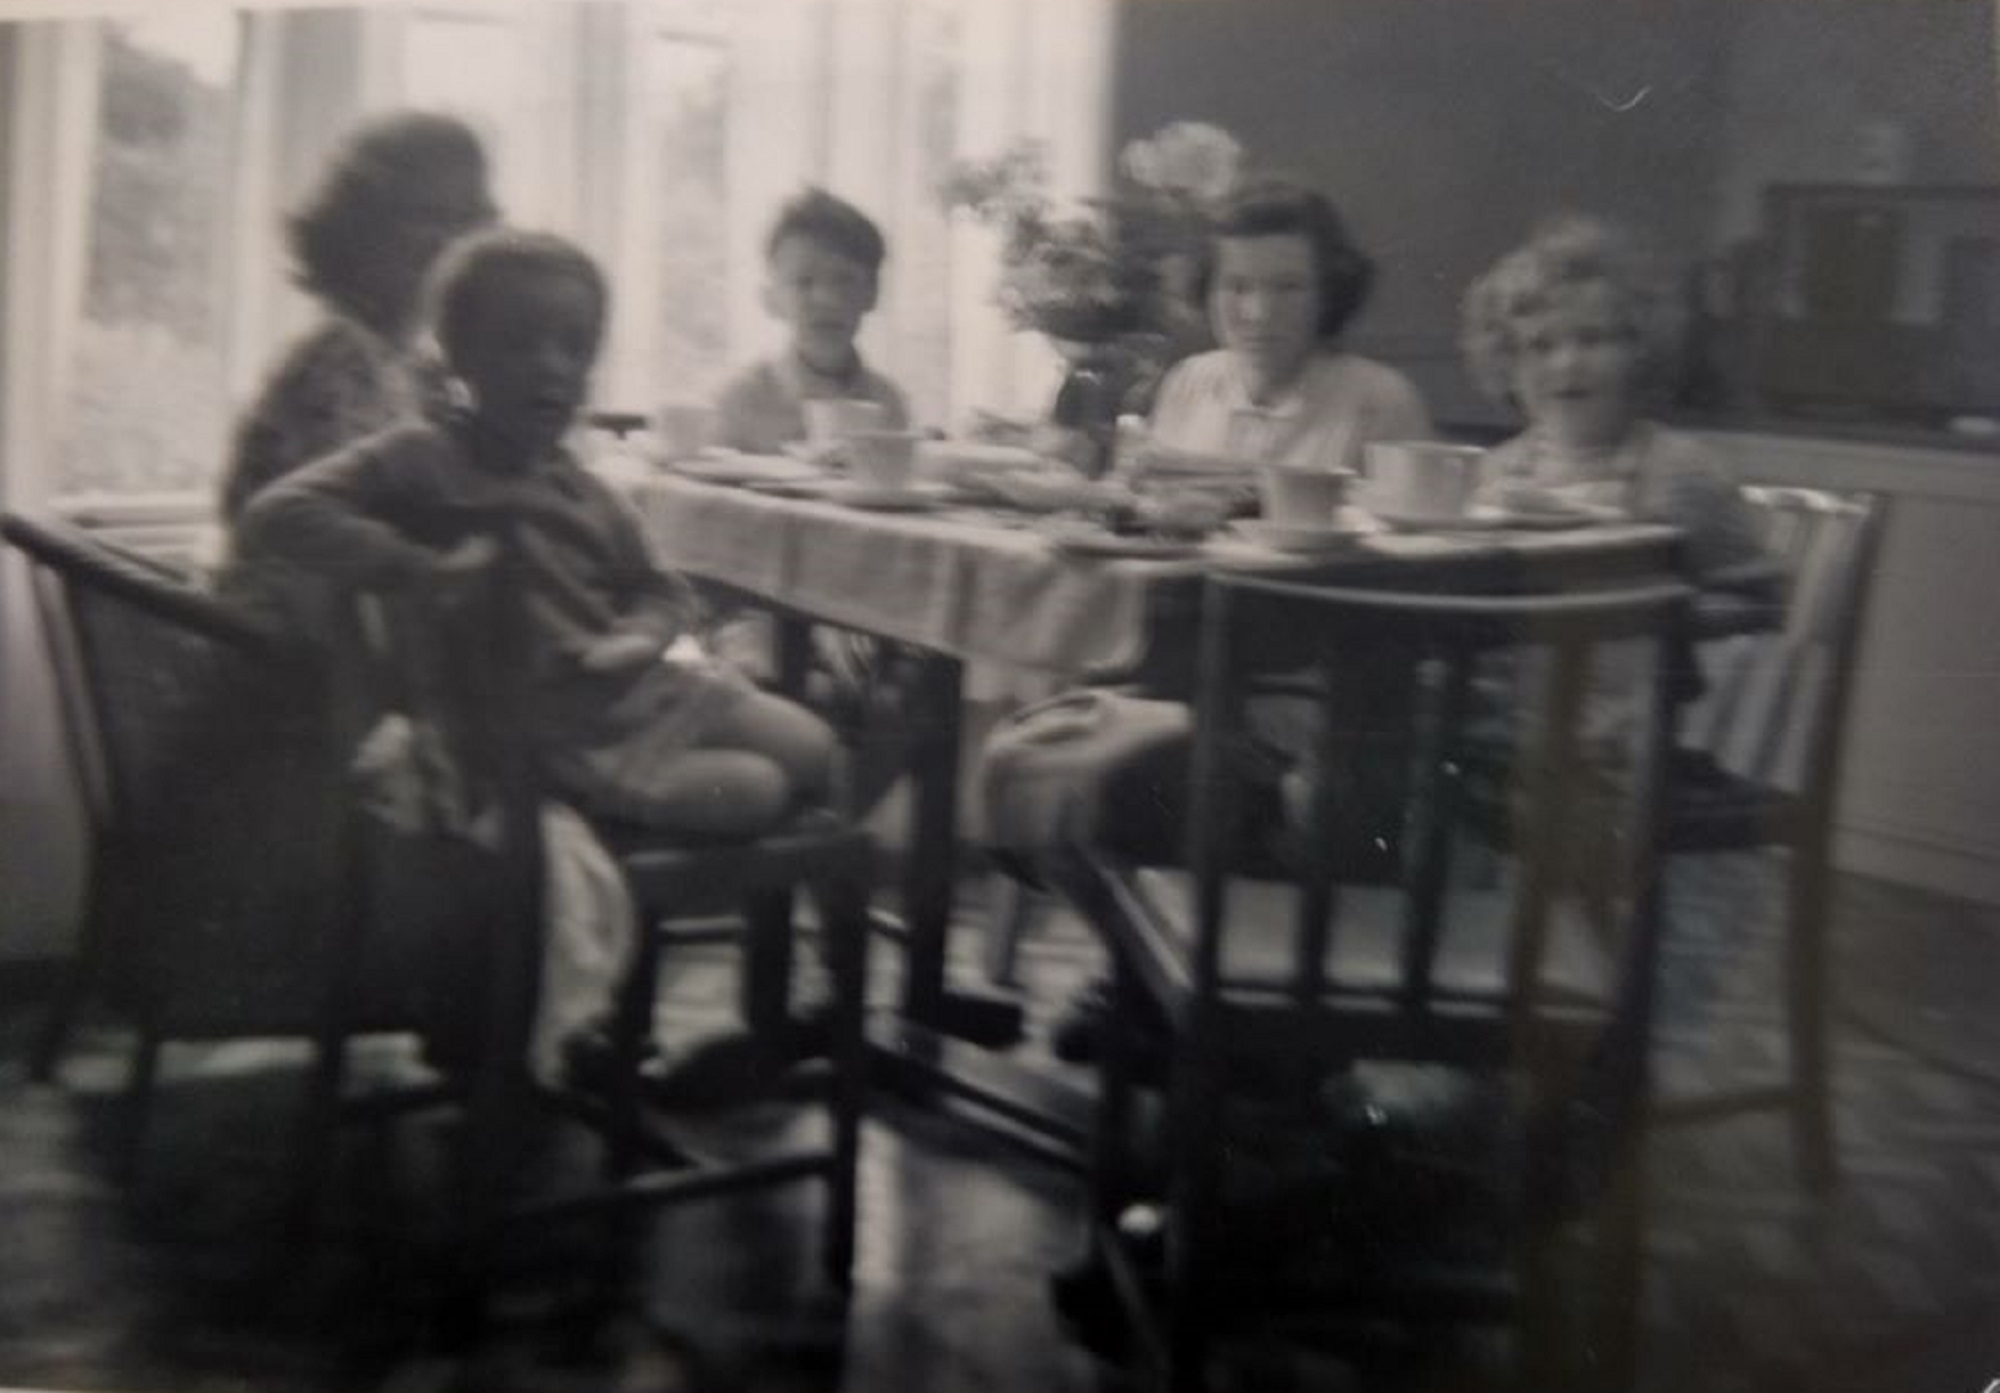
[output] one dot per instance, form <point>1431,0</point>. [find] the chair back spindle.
<point>1508,688</point>
<point>1776,700</point>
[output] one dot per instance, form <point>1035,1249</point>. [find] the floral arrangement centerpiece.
<point>1098,272</point>
<point>1106,279</point>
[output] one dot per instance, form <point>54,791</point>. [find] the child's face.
<point>1263,301</point>
<point>529,354</point>
<point>1578,373</point>
<point>822,295</point>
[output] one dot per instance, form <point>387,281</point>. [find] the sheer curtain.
<point>1034,70</point>
<point>48,84</point>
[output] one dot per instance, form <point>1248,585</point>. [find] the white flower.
<point>1141,163</point>
<point>1190,157</point>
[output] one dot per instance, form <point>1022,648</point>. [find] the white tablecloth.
<point>977,585</point>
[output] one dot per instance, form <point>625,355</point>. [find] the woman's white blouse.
<point>1337,403</point>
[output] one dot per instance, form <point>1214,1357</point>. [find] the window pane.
<point>470,65</point>
<point>688,82</point>
<point>148,406</point>
<point>925,256</point>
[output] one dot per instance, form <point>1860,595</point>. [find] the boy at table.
<point>823,265</point>
<point>823,262</point>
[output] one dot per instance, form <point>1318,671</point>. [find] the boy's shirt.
<point>375,516</point>
<point>762,409</point>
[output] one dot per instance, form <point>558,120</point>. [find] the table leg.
<point>931,874</point>
<point>793,658</point>
<point>930,869</point>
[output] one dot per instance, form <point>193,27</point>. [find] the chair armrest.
<point>1723,614</point>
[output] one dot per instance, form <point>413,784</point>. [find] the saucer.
<point>745,469</point>
<point>1302,540</point>
<point>1488,519</point>
<point>878,499</point>
<point>1088,540</point>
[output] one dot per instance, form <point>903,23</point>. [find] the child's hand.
<point>618,651</point>
<point>457,572</point>
<point>467,558</point>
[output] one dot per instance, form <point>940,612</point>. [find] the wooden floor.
<point>164,1283</point>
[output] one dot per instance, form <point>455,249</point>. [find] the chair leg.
<point>1017,911</point>
<point>319,1130</point>
<point>79,975</point>
<point>1806,988</point>
<point>1112,1183</point>
<point>1614,1333</point>
<point>1542,1337</point>
<point>766,985</point>
<point>1195,1164</point>
<point>631,1029</point>
<point>844,914</point>
<point>140,1080</point>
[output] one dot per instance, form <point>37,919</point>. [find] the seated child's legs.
<point>721,792</point>
<point>784,733</point>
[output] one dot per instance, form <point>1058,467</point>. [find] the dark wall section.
<point>1445,129</point>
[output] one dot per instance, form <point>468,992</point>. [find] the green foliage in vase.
<point>1093,271</point>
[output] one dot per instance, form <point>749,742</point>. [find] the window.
<point>147,408</point>
<point>681,109</point>
<point>663,134</point>
<point>496,66</point>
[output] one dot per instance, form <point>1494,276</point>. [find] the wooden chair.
<point>1758,768</point>
<point>1536,1000</point>
<point>221,896</point>
<point>460,672</point>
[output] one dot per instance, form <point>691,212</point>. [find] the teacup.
<point>685,428</point>
<point>832,419</point>
<point>1297,496</point>
<point>1421,478</point>
<point>882,459</point>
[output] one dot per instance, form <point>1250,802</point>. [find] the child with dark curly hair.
<point>630,729</point>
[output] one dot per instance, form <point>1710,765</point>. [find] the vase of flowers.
<point>1104,281</point>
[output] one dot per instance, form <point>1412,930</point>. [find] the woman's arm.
<point>331,390</point>
<point>339,516</point>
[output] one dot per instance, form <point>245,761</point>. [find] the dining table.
<point>956,583</point>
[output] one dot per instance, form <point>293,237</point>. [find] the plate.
<point>1096,542</point>
<point>819,486</point>
<point>1164,462</point>
<point>1494,520</point>
<point>746,469</point>
<point>1044,491</point>
<point>956,459</point>
<point>1304,541</point>
<point>883,500</point>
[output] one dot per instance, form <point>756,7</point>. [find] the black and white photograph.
<point>954,696</point>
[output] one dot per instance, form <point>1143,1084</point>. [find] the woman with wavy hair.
<point>1281,280</point>
<point>397,192</point>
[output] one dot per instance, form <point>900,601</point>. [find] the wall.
<point>1802,76</point>
<point>1445,129</point>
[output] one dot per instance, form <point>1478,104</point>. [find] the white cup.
<point>882,459</point>
<point>685,428</point>
<point>1296,496</point>
<point>1421,478</point>
<point>831,419</point>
